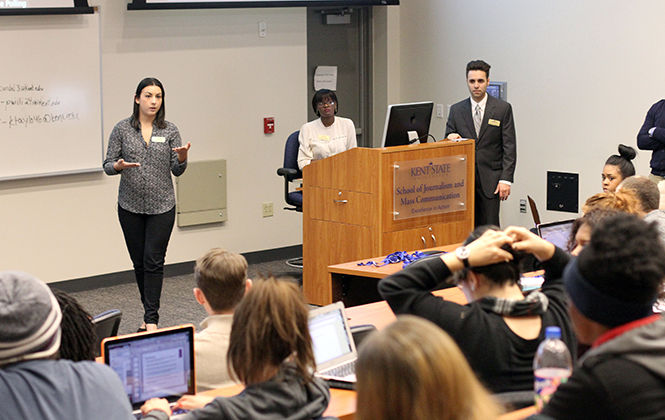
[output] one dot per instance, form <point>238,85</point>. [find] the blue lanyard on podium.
<point>397,257</point>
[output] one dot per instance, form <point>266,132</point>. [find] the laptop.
<point>557,233</point>
<point>154,364</point>
<point>334,349</point>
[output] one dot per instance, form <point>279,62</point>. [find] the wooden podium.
<point>348,211</point>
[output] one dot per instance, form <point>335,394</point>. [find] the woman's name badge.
<point>157,139</point>
<point>324,137</point>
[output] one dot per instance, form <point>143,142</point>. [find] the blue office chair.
<point>106,325</point>
<point>291,172</point>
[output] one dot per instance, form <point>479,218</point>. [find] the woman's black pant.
<point>147,236</point>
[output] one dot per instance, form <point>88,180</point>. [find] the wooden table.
<point>356,285</point>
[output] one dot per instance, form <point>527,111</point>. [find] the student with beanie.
<point>612,287</point>
<point>33,385</point>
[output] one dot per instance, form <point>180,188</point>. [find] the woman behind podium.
<point>414,370</point>
<point>327,135</point>
<point>145,149</point>
<point>270,352</point>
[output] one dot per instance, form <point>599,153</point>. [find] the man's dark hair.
<point>478,65</point>
<point>624,259</point>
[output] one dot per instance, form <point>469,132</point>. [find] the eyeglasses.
<point>322,104</point>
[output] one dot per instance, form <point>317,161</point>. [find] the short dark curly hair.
<point>625,259</point>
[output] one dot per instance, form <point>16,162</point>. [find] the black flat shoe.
<point>141,329</point>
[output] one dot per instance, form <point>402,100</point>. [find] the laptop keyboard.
<point>342,370</point>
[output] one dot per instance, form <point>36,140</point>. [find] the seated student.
<point>77,334</point>
<point>270,352</point>
<point>617,168</point>
<point>33,385</point>
<point>612,286</point>
<point>221,282</point>
<point>580,233</point>
<point>648,197</point>
<point>499,330</point>
<point>625,201</point>
<point>413,370</point>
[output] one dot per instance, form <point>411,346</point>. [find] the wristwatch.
<point>462,254</point>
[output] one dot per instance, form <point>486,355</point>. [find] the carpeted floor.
<point>177,303</point>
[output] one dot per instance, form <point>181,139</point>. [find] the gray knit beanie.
<point>29,318</point>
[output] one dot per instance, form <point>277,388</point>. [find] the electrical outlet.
<point>267,209</point>
<point>522,206</point>
<point>439,110</point>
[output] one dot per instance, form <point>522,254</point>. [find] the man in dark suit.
<point>490,121</point>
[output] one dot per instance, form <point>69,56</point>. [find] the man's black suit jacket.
<point>496,151</point>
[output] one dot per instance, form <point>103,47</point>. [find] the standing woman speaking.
<point>145,149</point>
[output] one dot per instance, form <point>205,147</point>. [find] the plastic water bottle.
<point>551,366</point>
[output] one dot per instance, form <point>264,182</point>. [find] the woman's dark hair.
<point>499,273</point>
<point>624,259</point>
<point>591,219</point>
<point>77,341</point>
<point>623,160</point>
<point>322,94</point>
<point>159,118</point>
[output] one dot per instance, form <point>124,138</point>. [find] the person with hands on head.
<point>145,149</point>
<point>499,329</point>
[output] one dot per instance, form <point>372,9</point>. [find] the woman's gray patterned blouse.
<point>147,189</point>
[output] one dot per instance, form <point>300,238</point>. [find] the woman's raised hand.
<point>120,164</point>
<point>182,152</point>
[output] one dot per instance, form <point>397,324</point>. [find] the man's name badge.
<point>156,139</point>
<point>324,137</point>
<point>495,123</point>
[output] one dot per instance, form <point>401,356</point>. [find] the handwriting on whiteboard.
<point>26,104</point>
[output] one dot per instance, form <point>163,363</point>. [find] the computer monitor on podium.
<point>407,123</point>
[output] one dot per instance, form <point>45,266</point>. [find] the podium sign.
<point>429,186</point>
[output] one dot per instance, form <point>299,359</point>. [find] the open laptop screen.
<point>158,364</point>
<point>331,337</point>
<point>557,233</point>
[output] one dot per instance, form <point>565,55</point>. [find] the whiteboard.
<point>50,95</point>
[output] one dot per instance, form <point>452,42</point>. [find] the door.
<point>347,46</point>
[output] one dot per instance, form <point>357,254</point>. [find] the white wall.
<point>220,79</point>
<point>581,76</point>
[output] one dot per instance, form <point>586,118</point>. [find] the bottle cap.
<point>552,332</point>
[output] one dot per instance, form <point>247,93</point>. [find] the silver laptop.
<point>155,364</point>
<point>334,349</point>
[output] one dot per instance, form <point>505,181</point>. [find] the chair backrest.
<point>534,210</point>
<point>106,325</point>
<point>291,154</point>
